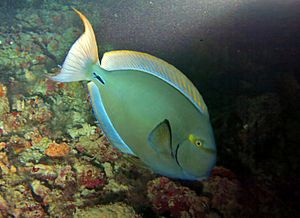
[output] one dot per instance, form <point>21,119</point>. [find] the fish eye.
<point>199,143</point>
<point>196,141</point>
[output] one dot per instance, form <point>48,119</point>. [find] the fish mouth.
<point>209,150</point>
<point>189,175</point>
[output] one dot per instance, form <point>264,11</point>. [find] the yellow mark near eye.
<point>200,144</point>
<point>191,138</point>
<point>194,140</point>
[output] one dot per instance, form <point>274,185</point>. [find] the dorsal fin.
<point>132,60</point>
<point>82,55</point>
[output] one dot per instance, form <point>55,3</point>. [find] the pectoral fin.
<point>160,138</point>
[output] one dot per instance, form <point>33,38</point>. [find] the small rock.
<point>58,150</point>
<point>108,170</point>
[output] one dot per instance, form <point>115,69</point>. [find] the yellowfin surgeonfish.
<point>145,106</point>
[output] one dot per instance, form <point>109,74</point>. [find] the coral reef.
<point>4,104</point>
<point>57,150</point>
<point>112,210</point>
<point>226,192</point>
<point>169,198</point>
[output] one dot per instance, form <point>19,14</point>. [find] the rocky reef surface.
<point>56,162</point>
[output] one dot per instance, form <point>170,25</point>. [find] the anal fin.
<point>104,121</point>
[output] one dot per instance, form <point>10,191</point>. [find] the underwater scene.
<point>148,108</point>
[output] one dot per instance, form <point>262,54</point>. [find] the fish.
<point>145,106</point>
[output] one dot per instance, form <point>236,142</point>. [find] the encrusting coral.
<point>167,197</point>
<point>58,150</point>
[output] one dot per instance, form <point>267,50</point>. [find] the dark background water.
<point>242,55</point>
<point>215,43</point>
<point>238,40</point>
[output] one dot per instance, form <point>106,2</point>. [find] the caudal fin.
<point>81,57</point>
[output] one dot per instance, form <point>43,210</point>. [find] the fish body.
<point>146,107</point>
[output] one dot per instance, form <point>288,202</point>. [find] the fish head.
<point>196,154</point>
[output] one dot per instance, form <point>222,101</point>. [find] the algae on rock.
<point>110,210</point>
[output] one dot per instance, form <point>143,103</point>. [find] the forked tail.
<point>81,57</point>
